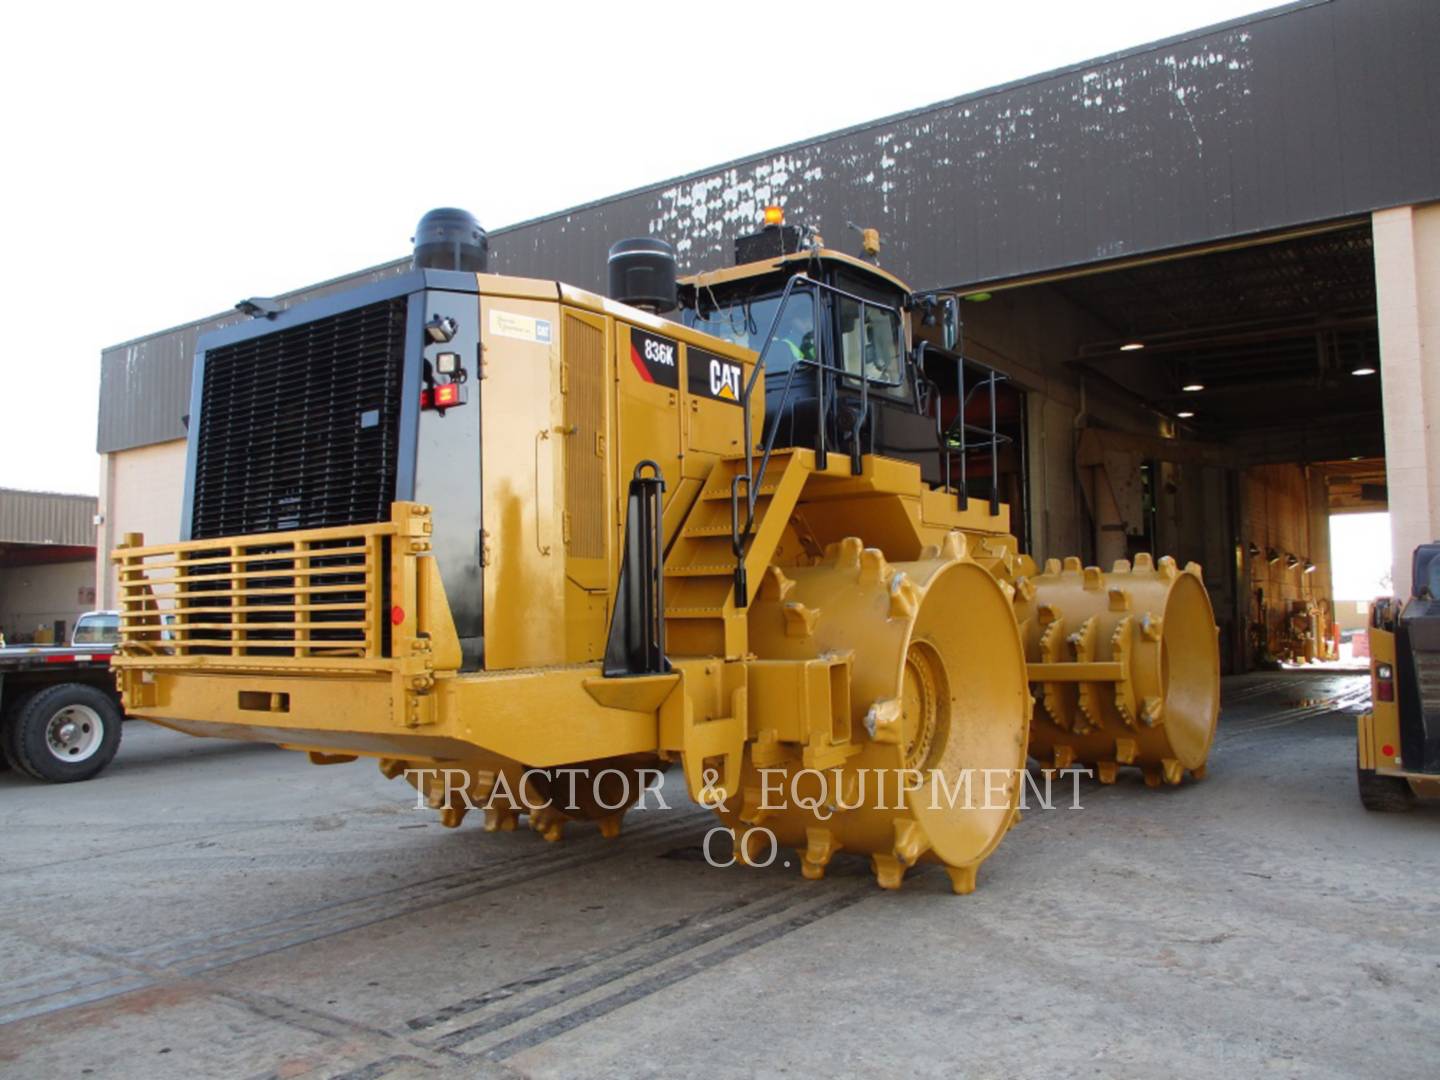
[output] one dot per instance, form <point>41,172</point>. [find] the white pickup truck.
<point>60,712</point>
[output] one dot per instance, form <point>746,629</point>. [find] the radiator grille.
<point>299,429</point>
<point>585,417</point>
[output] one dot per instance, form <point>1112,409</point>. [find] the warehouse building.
<point>47,564</point>
<point>1209,267</point>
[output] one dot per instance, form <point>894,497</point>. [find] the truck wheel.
<point>1383,794</point>
<point>64,733</point>
<point>13,706</point>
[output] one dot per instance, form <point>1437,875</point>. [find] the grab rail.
<point>740,537</point>
<point>752,479</point>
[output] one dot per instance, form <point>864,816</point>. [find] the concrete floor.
<point>212,909</point>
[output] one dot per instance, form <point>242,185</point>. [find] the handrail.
<point>740,538</point>
<point>635,642</point>
<point>824,364</point>
<point>961,427</point>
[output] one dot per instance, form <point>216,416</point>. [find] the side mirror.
<point>936,319</point>
<point>950,321</point>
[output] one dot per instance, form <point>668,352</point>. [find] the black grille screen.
<point>299,429</point>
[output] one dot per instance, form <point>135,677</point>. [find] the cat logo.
<point>725,380</point>
<point>715,377</point>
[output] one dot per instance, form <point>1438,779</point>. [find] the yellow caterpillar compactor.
<point>498,533</point>
<point>1398,753</point>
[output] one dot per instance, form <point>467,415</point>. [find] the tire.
<point>13,705</point>
<point>64,733</point>
<point>1383,794</point>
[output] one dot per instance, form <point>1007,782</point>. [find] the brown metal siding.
<point>1313,112</point>
<point>42,517</point>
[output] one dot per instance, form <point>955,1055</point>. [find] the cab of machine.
<point>853,359</point>
<point>861,310</point>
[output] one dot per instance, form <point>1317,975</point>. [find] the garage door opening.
<point>1216,405</point>
<point>1360,548</point>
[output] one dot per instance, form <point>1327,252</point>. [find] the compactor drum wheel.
<point>1125,666</point>
<point>922,754</point>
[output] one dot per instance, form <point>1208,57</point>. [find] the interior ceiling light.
<point>1132,346</point>
<point>1291,562</point>
<point>977,297</point>
<point>1362,371</point>
<point>1309,567</point>
<point>1193,388</point>
<point>1185,415</point>
<point>1253,550</point>
<point>1272,556</point>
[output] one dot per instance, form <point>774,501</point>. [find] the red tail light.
<point>445,396</point>
<point>1384,682</point>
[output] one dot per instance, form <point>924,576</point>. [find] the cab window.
<point>870,342</point>
<point>746,322</point>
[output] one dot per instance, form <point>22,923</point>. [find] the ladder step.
<point>694,613</point>
<point>766,490</point>
<point>712,570</point>
<point>736,465</point>
<point>703,549</point>
<point>706,532</point>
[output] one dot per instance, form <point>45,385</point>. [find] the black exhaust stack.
<point>642,274</point>
<point>450,239</point>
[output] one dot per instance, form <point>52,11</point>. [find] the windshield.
<point>97,629</point>
<point>746,322</point>
<point>870,343</point>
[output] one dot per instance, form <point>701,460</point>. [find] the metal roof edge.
<point>922,110</point>
<point>47,494</point>
<point>338,279</point>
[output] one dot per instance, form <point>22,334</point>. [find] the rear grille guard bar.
<point>342,598</point>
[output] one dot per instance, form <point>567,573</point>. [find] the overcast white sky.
<point>161,161</point>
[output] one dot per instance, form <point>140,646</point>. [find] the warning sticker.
<point>656,358</point>
<point>711,376</point>
<point>521,327</point>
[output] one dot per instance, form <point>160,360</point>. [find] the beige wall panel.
<point>141,490</point>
